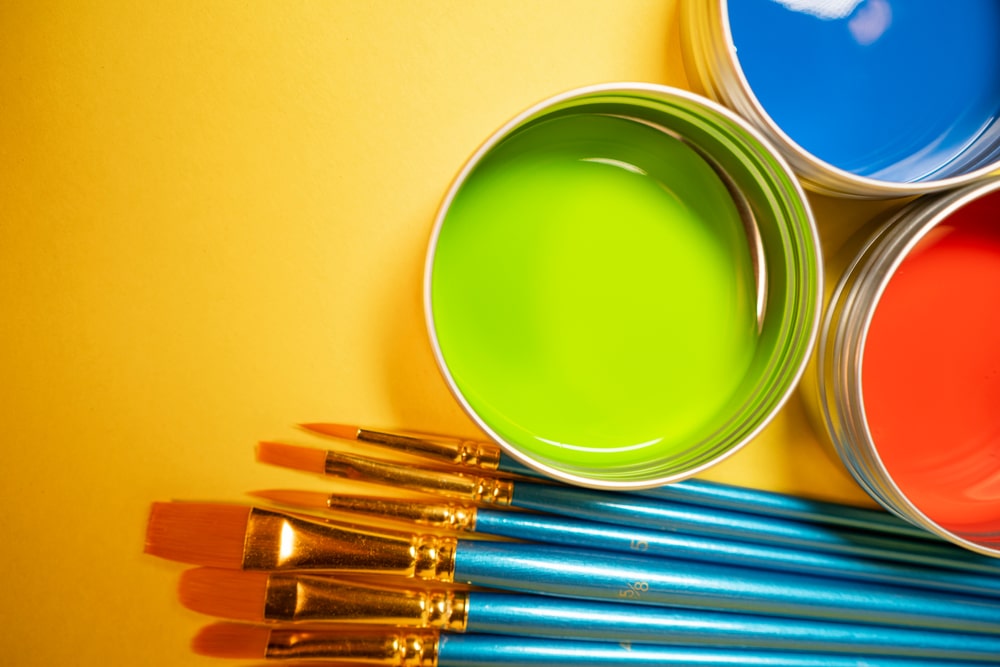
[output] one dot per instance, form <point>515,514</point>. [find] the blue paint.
<point>895,90</point>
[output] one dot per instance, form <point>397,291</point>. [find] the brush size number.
<point>634,590</point>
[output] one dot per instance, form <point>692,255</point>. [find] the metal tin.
<point>832,386</point>
<point>823,77</point>
<point>779,232</point>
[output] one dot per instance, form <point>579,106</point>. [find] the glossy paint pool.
<point>865,97</point>
<point>622,285</point>
<point>906,376</point>
<point>931,373</point>
<point>594,291</point>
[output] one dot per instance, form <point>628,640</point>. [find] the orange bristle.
<point>308,499</point>
<point>292,456</point>
<point>198,533</point>
<point>232,640</point>
<point>342,431</point>
<point>231,594</point>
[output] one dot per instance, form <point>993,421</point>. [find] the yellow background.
<point>213,219</point>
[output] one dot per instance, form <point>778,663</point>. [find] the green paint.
<point>592,286</point>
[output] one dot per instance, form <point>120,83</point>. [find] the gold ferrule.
<point>438,515</point>
<point>469,487</point>
<point>434,557</point>
<point>454,451</point>
<point>303,597</point>
<point>475,454</point>
<point>383,648</point>
<point>494,491</point>
<point>277,541</point>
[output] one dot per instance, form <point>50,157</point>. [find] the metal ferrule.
<point>439,515</point>
<point>277,541</point>
<point>474,488</point>
<point>303,597</point>
<point>386,649</point>
<point>454,451</point>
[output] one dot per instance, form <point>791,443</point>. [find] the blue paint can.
<point>866,98</point>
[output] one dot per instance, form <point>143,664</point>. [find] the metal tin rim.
<point>841,350</point>
<point>733,88</point>
<point>809,329</point>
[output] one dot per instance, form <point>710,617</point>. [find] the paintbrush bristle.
<point>231,594</point>
<point>198,533</point>
<point>343,431</point>
<point>308,459</point>
<point>232,640</point>
<point>310,499</point>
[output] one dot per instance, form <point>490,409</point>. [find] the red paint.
<point>931,371</point>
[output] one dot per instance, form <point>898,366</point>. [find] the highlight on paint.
<point>852,91</point>
<point>597,285</point>
<point>594,291</point>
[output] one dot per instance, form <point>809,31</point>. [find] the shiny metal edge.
<point>638,89</point>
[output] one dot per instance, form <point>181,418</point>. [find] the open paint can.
<point>865,98</point>
<point>906,379</point>
<point>623,285</point>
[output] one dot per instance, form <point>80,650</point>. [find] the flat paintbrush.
<point>249,538</point>
<point>392,647</point>
<point>302,598</point>
<point>627,509</point>
<point>482,456</point>
<point>567,531</point>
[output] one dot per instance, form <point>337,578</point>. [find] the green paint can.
<point>623,285</point>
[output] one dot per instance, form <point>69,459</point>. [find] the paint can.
<point>905,381</point>
<point>622,285</point>
<point>865,98</point>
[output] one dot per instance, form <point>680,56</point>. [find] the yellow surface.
<point>213,218</point>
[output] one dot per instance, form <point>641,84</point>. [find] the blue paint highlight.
<point>896,90</point>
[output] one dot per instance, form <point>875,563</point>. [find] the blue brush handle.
<point>601,575</point>
<point>567,531</point>
<point>494,651</point>
<point>739,499</point>
<point>570,618</point>
<point>658,514</point>
<point>758,501</point>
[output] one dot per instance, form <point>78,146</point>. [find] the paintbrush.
<point>483,456</point>
<point>250,538</point>
<point>302,598</point>
<point>567,531</point>
<point>393,647</point>
<point>627,510</point>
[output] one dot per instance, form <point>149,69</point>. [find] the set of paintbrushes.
<point>488,565</point>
